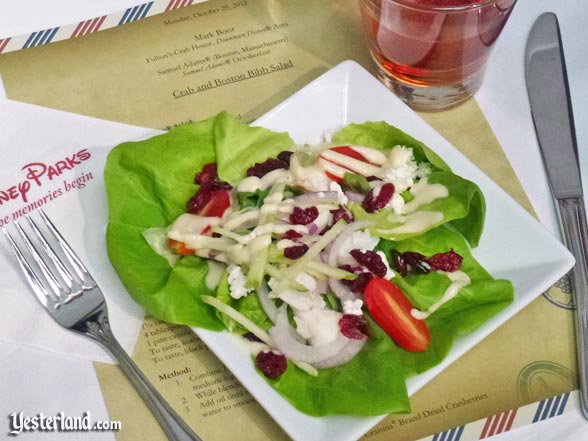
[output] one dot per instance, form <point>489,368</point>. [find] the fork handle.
<point>172,424</point>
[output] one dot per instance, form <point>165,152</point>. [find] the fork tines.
<point>55,277</point>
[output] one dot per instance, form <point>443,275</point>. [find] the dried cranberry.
<point>342,213</point>
<point>351,269</point>
<point>292,235</point>
<point>416,261</point>
<point>449,261</point>
<point>252,337</point>
<point>296,251</point>
<point>285,156</point>
<point>353,326</point>
<point>378,199</point>
<point>205,194</point>
<point>271,363</point>
<point>371,260</point>
<point>261,169</point>
<point>398,263</point>
<point>207,174</point>
<point>303,216</point>
<point>358,284</point>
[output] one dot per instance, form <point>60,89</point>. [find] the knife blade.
<point>549,97</point>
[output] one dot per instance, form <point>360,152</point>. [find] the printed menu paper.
<point>245,57</point>
<point>233,55</point>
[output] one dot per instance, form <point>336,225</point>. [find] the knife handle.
<point>573,220</point>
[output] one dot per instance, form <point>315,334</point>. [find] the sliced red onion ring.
<point>268,305</point>
<point>316,198</point>
<point>354,197</point>
<point>313,229</point>
<point>339,289</point>
<point>286,343</point>
<point>321,285</point>
<point>347,353</point>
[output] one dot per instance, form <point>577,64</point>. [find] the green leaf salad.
<point>347,267</point>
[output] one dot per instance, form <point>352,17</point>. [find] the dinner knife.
<point>549,96</point>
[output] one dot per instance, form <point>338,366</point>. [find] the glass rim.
<point>410,4</point>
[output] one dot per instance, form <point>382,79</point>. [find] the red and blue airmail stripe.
<point>511,419</point>
<point>3,43</point>
<point>551,407</point>
<point>136,13</point>
<point>88,26</point>
<point>449,435</point>
<point>41,37</point>
<point>176,4</point>
<point>499,423</point>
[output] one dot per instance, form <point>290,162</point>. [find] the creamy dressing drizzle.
<point>253,183</point>
<point>372,155</point>
<point>347,162</point>
<point>416,222</point>
<point>214,275</point>
<point>425,193</point>
<point>234,222</point>
<point>312,178</point>
<point>459,279</point>
<point>334,169</point>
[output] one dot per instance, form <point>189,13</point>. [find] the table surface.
<point>33,380</point>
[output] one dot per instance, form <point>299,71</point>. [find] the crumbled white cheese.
<point>352,306</point>
<point>302,301</point>
<point>400,168</point>
<point>237,282</point>
<point>361,240</point>
<point>423,170</point>
<point>341,198</point>
<point>397,203</point>
<point>319,326</point>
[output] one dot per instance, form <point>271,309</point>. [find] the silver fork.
<point>66,289</point>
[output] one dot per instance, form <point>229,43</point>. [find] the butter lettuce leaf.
<point>148,184</point>
<point>239,146</point>
<point>472,306</point>
<point>465,207</point>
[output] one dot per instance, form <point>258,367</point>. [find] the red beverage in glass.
<point>432,53</point>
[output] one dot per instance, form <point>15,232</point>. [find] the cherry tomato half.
<point>390,308</point>
<point>179,247</point>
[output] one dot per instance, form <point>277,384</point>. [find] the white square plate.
<point>514,245</point>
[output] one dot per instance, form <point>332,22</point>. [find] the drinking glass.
<point>433,53</point>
